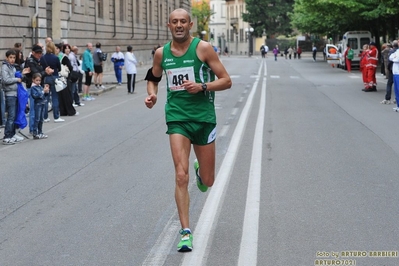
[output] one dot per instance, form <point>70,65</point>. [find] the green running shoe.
<point>200,185</point>
<point>186,241</point>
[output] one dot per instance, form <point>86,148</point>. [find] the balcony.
<point>233,21</point>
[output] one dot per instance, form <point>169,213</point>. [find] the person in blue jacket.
<point>119,61</point>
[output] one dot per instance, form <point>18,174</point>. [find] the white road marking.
<point>207,220</point>
<point>249,240</point>
<point>274,77</point>
<point>224,130</point>
<point>161,249</point>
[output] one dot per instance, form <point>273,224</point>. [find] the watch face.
<point>204,86</point>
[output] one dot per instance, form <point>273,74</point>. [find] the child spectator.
<point>9,82</point>
<point>40,97</point>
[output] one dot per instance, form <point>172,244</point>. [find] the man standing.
<point>33,63</point>
<point>314,52</point>
<point>371,68</point>
<point>190,66</point>
<point>88,68</point>
<point>119,60</point>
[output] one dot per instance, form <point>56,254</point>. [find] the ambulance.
<point>356,40</point>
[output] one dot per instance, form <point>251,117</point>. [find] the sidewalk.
<point>110,83</point>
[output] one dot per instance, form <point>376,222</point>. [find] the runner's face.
<point>180,25</point>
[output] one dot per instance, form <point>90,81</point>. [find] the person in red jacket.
<point>363,62</point>
<point>371,67</point>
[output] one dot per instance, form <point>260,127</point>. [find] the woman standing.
<point>131,70</point>
<point>65,96</point>
<point>52,61</point>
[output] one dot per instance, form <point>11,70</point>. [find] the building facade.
<point>140,23</point>
<point>229,28</point>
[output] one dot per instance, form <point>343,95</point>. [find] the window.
<point>138,11</point>
<point>122,10</point>
<point>353,43</point>
<point>363,41</point>
<point>150,12</point>
<point>160,15</point>
<point>100,9</point>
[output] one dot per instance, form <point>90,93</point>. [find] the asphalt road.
<point>307,169</point>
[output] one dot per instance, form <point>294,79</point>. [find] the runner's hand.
<point>150,101</point>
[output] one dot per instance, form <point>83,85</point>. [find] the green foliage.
<point>269,15</point>
<point>203,13</point>
<point>329,17</point>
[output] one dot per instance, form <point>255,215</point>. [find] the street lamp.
<point>249,32</point>
<point>203,33</point>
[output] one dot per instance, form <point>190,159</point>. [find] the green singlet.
<point>180,105</point>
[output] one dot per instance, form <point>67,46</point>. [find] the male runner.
<point>190,67</point>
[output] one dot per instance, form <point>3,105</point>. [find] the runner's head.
<point>180,25</point>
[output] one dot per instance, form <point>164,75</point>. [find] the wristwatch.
<point>204,87</point>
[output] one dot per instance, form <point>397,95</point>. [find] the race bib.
<point>176,77</point>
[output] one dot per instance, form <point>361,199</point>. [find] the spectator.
<point>389,73</point>
<point>371,67</point>
<point>98,67</point>
<point>52,61</point>
<point>88,68</point>
<point>153,51</point>
<point>226,51</point>
<point>394,57</point>
<point>33,63</point>
<point>385,49</point>
<point>299,52</point>
<point>363,63</point>
<point>19,60</point>
<point>131,70</point>
<point>314,52</point>
<point>39,94</point>
<point>119,60</point>
<point>263,50</point>
<point>80,81</point>
<point>65,95</point>
<point>290,52</point>
<point>75,75</point>
<point>276,52</point>
<point>348,55</point>
<point>9,82</point>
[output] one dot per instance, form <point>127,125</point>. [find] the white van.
<point>356,40</point>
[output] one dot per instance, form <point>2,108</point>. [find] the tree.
<point>338,16</point>
<point>202,11</point>
<point>269,15</point>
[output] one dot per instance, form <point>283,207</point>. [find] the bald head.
<point>180,12</point>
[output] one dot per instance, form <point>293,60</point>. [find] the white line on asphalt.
<point>234,112</point>
<point>211,210</point>
<point>224,131</point>
<point>160,251</point>
<point>275,77</point>
<point>249,240</point>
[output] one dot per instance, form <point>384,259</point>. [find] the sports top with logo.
<point>181,105</point>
